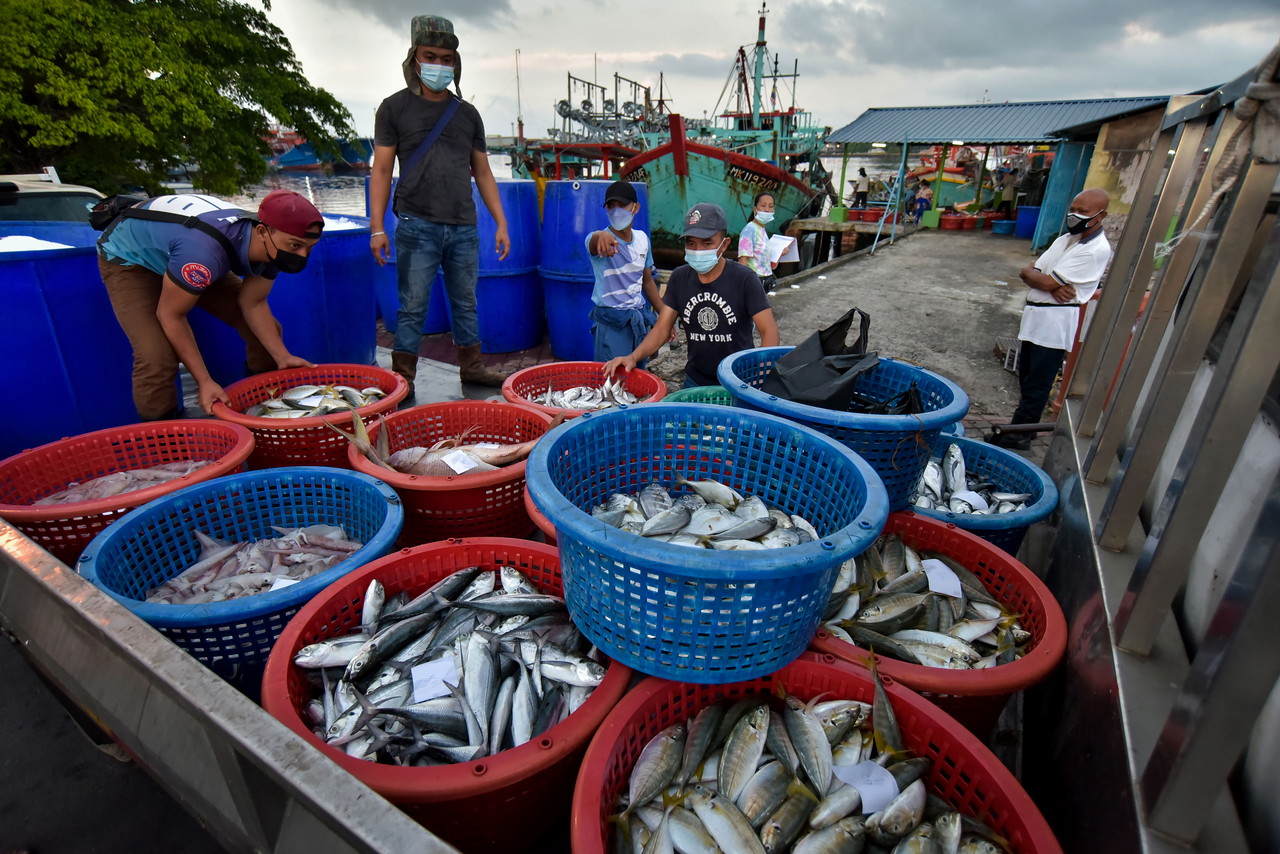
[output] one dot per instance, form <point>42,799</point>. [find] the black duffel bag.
<point>823,369</point>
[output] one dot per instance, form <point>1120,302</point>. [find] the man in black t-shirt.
<point>436,219</point>
<point>719,304</point>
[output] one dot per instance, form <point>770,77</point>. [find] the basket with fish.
<point>63,494</point>
<point>816,757</point>
<point>482,742</point>
<point>896,446</point>
<point>646,576</point>
<point>572,388</point>
<point>289,411</point>
<point>986,490</point>
<point>716,394</point>
<point>967,634</point>
<point>458,466</point>
<point>219,568</point>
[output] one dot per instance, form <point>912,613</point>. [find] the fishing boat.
<point>745,151</point>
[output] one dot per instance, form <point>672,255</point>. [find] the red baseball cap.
<point>287,211</point>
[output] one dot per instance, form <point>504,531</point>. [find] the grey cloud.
<point>692,64</point>
<point>396,14</point>
<point>933,34</point>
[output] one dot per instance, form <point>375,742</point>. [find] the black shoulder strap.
<point>233,255</point>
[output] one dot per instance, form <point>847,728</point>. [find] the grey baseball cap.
<point>704,220</point>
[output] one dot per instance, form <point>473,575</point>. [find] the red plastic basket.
<point>536,380</point>
<point>969,223</point>
<point>539,518</point>
<point>486,504</point>
<point>964,773</point>
<point>307,441</point>
<point>65,529</point>
<point>973,697</point>
<point>951,221</point>
<point>499,803</point>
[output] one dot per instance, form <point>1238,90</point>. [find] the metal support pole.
<point>1187,156</point>
<point>1166,292</point>
<point>1173,377</point>
<point>1233,673</point>
<point>1240,381</point>
<point>844,170</point>
<point>1108,311</point>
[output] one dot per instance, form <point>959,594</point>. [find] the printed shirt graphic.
<point>753,249</point>
<point>193,259</point>
<point>716,317</point>
<point>1076,262</point>
<point>620,277</point>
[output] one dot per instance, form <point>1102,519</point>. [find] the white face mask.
<point>765,217</point>
<point>619,218</point>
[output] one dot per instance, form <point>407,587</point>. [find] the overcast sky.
<point>853,54</point>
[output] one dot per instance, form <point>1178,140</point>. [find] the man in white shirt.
<point>1061,280</point>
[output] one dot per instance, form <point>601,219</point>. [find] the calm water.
<point>344,194</point>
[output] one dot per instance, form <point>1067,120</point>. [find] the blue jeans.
<point>422,248</point>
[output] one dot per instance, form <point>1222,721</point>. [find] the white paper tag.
<point>973,499</point>
<point>941,578</point>
<point>459,462</point>
<point>487,445</point>
<point>874,783</point>
<point>429,678</point>
<point>281,583</point>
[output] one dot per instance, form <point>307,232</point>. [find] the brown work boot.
<point>405,364</point>
<point>472,370</point>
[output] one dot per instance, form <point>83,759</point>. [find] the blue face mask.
<point>702,260</point>
<point>765,217</point>
<point>619,218</point>
<point>435,77</point>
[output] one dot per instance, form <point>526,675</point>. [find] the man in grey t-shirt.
<point>436,218</point>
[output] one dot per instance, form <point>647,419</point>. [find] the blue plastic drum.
<point>509,292</point>
<point>570,211</point>
<point>61,350</point>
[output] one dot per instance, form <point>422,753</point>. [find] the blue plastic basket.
<point>956,429</point>
<point>690,614</point>
<point>155,542</point>
<point>1010,473</point>
<point>896,446</point>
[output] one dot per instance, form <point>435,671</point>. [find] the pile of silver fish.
<point>478,663</point>
<point>750,778</point>
<point>449,457</point>
<point>236,570</point>
<point>120,482</point>
<point>946,486</point>
<point>882,600</point>
<point>583,397</point>
<point>306,401</point>
<point>712,515</point>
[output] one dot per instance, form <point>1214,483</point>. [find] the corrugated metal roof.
<point>1033,121</point>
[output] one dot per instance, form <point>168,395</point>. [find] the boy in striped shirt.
<point>625,299</point>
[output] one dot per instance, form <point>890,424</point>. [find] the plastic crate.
<point>964,773</point>
<point>156,542</point>
<point>715,394</point>
<point>65,529</point>
<point>307,441</point>
<point>973,697</point>
<point>484,504</point>
<point>700,615</point>
<point>533,381</point>
<point>1010,473</point>
<point>896,446</point>
<point>528,786</point>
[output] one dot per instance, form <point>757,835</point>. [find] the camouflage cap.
<point>434,31</point>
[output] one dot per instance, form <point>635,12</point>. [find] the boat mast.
<point>519,109</point>
<point>760,49</point>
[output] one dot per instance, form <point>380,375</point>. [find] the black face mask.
<point>1076,223</point>
<point>287,262</point>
